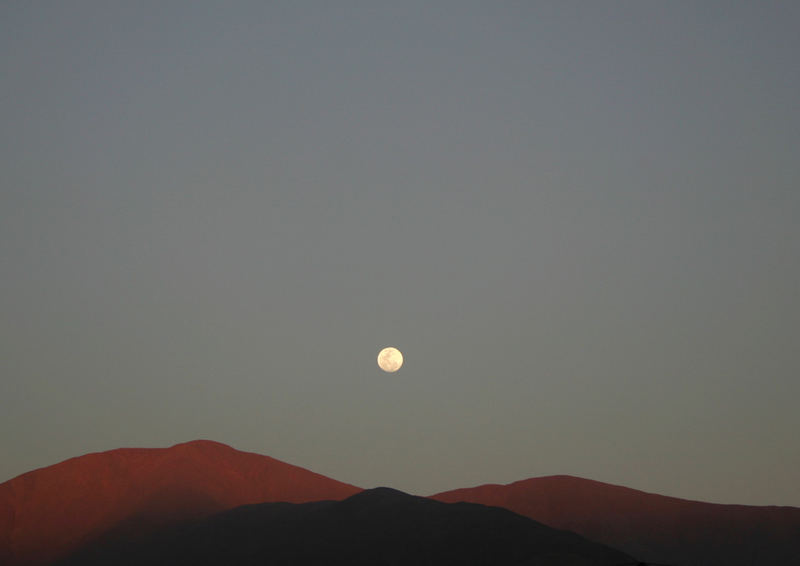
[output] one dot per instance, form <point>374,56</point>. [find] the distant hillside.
<point>650,527</point>
<point>121,495</point>
<point>47,513</point>
<point>376,527</point>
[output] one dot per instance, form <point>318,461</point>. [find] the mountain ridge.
<point>375,526</point>
<point>649,526</point>
<point>50,512</point>
<point>615,485</point>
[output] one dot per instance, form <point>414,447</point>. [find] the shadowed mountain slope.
<point>377,526</point>
<point>47,513</point>
<point>650,527</point>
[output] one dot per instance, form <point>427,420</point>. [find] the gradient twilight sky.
<point>579,221</point>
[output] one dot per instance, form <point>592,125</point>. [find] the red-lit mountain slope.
<point>651,527</point>
<point>47,513</point>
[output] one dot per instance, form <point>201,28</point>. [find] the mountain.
<point>651,527</point>
<point>47,513</point>
<point>101,499</point>
<point>377,526</point>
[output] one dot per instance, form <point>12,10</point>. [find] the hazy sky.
<point>579,221</point>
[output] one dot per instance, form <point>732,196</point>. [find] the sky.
<point>579,222</point>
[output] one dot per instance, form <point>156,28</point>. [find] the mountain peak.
<point>376,526</point>
<point>649,526</point>
<point>47,513</point>
<point>380,496</point>
<point>203,443</point>
<point>202,446</point>
<point>382,493</point>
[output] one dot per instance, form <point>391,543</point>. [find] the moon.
<point>390,359</point>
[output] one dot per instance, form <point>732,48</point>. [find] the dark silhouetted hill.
<point>47,513</point>
<point>650,527</point>
<point>375,527</point>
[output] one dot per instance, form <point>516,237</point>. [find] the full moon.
<point>390,359</point>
